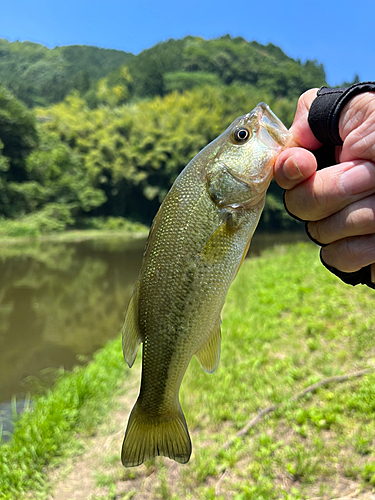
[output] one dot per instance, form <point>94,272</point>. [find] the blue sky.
<point>338,34</point>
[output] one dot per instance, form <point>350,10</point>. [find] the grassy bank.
<point>32,227</point>
<point>287,324</point>
<point>73,407</point>
<point>70,237</point>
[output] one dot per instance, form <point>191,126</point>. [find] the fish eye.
<point>241,135</point>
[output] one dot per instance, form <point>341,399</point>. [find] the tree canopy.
<point>120,161</point>
<point>113,142</point>
<point>39,76</point>
<point>182,64</point>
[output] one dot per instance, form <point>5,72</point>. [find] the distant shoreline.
<point>72,236</point>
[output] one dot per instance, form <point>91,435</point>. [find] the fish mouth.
<point>271,131</point>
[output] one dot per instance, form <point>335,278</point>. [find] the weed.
<point>102,479</point>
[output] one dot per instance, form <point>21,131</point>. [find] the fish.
<point>196,245</point>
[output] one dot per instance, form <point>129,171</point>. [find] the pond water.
<point>60,302</point>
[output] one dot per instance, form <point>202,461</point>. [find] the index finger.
<point>331,189</point>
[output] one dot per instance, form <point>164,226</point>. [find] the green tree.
<point>267,67</point>
<point>39,76</point>
<point>56,174</point>
<point>105,151</point>
<point>39,172</point>
<point>17,133</point>
<point>184,80</point>
<point>133,153</point>
<point>184,64</point>
<point>110,94</point>
<point>18,137</point>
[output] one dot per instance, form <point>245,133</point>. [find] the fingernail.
<point>358,180</point>
<point>291,169</point>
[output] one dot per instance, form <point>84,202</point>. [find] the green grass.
<point>287,324</point>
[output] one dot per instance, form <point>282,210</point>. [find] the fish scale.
<point>196,245</point>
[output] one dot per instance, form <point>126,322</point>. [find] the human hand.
<point>338,201</point>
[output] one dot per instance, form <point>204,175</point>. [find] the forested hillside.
<point>122,127</point>
<point>182,64</point>
<point>39,76</point>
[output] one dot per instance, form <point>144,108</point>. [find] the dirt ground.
<point>97,473</point>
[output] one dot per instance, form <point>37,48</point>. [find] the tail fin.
<point>146,438</point>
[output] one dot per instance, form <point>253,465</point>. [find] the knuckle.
<point>309,200</point>
<point>368,246</point>
<point>316,201</point>
<point>307,98</point>
<point>290,204</point>
<point>353,220</point>
<point>359,218</point>
<point>349,250</point>
<point>356,252</point>
<point>316,231</point>
<point>363,144</point>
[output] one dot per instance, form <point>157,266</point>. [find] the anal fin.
<point>209,355</point>
<point>131,337</point>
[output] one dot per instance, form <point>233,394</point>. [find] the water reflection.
<point>58,301</point>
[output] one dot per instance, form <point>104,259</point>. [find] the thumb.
<point>300,129</point>
<point>293,166</point>
<point>296,163</point>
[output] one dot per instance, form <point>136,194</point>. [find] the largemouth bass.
<point>197,243</point>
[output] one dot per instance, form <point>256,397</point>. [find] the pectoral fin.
<point>217,244</point>
<point>209,355</point>
<point>131,337</point>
